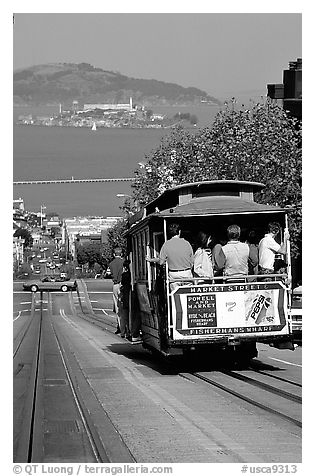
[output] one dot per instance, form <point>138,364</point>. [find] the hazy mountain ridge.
<point>66,82</point>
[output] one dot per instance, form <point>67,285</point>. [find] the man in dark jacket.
<point>116,268</point>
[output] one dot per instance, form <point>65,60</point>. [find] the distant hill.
<point>65,82</point>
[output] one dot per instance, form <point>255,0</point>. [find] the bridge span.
<point>73,180</point>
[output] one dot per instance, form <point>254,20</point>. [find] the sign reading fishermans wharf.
<point>228,309</point>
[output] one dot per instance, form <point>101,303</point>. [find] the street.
<point>162,411</point>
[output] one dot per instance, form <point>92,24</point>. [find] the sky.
<point>224,54</point>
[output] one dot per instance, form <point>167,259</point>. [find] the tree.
<point>115,239</point>
<point>24,234</point>
<point>89,253</point>
<point>261,144</point>
<point>55,230</point>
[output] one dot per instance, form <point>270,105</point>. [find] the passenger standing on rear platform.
<point>116,268</point>
<point>253,253</point>
<point>236,254</point>
<point>178,254</point>
<point>203,256</point>
<point>268,247</point>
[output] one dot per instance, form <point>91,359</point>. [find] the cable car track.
<point>24,427</point>
<point>29,393</point>
<point>243,390</point>
<point>264,385</point>
<point>18,339</point>
<point>290,396</point>
<point>254,366</point>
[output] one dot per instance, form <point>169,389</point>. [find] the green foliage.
<point>55,230</point>
<point>259,144</point>
<point>25,269</point>
<point>89,253</point>
<point>115,239</point>
<point>24,234</point>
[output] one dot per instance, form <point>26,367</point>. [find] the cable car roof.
<point>206,198</point>
<point>218,206</point>
<point>183,193</point>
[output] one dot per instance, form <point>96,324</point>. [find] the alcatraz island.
<point>95,116</point>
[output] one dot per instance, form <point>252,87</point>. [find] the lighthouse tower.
<point>130,104</point>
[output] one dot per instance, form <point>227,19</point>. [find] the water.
<point>64,152</point>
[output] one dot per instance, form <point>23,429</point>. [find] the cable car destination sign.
<point>229,308</point>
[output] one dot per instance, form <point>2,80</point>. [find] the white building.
<point>18,250</point>
<point>18,204</point>
<point>84,226</point>
<point>114,107</point>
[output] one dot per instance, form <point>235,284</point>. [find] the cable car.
<point>210,314</point>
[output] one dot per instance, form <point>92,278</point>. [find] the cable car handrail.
<point>229,278</point>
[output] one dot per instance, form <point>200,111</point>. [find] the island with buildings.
<point>95,116</point>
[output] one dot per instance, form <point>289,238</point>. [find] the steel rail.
<point>276,377</point>
<point>265,386</point>
<point>22,333</point>
<point>24,452</point>
<point>241,396</point>
<point>95,447</point>
<point>104,453</point>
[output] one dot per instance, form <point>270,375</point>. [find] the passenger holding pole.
<point>178,254</point>
<point>268,248</point>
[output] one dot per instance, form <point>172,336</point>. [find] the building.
<point>19,205</point>
<point>52,222</point>
<point>18,250</point>
<point>113,107</point>
<point>36,235</point>
<point>87,229</point>
<point>290,90</point>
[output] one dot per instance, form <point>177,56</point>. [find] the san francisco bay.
<point>52,153</point>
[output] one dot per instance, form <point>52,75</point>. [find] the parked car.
<point>50,283</point>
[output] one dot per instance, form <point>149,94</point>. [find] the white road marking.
<point>93,301</point>
<point>285,362</point>
<point>28,302</point>
<point>100,292</point>
<point>19,315</point>
<point>62,313</point>
<point>103,310</point>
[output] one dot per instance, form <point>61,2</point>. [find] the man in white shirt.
<point>178,254</point>
<point>268,247</point>
<point>235,254</point>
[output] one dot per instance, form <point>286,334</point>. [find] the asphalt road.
<point>159,415</point>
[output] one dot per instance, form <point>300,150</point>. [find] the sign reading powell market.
<point>229,308</point>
